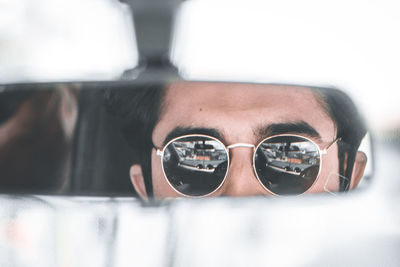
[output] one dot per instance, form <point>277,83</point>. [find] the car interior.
<point>65,161</point>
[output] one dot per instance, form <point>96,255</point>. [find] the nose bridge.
<point>241,180</point>
<point>240,145</point>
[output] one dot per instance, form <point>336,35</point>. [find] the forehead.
<point>237,109</point>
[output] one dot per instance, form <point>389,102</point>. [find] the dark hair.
<point>138,110</point>
<point>350,128</point>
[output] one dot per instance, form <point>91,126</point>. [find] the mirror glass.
<point>179,138</point>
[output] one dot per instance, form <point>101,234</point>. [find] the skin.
<point>237,111</point>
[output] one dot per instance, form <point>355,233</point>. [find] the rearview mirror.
<point>101,138</point>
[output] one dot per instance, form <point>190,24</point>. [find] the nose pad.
<point>241,180</point>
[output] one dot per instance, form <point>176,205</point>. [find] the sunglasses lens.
<point>195,165</point>
<point>287,164</point>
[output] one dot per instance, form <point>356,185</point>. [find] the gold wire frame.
<point>160,152</point>
<point>320,152</point>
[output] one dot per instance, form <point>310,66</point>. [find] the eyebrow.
<point>298,127</point>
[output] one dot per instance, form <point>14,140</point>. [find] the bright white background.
<point>64,40</point>
<point>353,45</point>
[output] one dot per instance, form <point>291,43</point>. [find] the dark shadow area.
<point>59,139</point>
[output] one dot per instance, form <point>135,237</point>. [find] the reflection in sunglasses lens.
<point>287,164</point>
<point>195,165</point>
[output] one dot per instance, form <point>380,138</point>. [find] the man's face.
<point>242,113</point>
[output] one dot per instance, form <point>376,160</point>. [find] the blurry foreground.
<point>357,229</point>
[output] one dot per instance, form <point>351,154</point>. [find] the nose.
<point>241,180</point>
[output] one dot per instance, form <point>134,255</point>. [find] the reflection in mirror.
<point>287,164</point>
<point>190,139</point>
<point>195,165</point>
<point>36,131</point>
<point>278,139</point>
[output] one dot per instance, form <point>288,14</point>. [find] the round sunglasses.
<point>197,165</point>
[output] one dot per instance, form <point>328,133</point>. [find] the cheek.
<point>161,188</point>
<point>329,176</point>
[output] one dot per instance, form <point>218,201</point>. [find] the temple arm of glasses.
<point>159,152</point>
<point>325,150</point>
